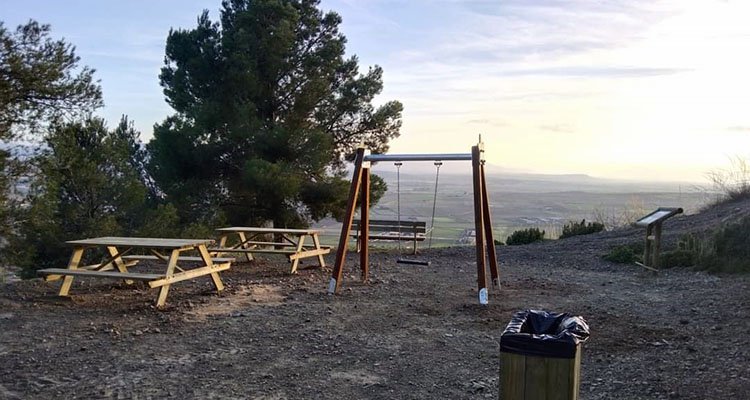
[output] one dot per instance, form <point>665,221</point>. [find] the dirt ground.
<point>413,332</point>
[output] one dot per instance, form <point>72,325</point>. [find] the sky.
<point>630,89</point>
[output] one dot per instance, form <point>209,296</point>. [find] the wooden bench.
<point>182,258</point>
<point>413,231</point>
<point>56,273</point>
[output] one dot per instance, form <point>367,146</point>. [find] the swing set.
<point>485,244</point>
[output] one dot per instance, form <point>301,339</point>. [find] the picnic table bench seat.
<point>57,272</point>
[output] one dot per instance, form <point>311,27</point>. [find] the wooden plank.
<point>479,226</point>
<point>260,250</point>
<point>647,249</point>
<point>206,256</point>
<point>364,226</point>
<point>262,243</point>
<point>270,251</point>
<point>535,378</point>
<point>308,253</point>
<point>488,235</point>
<point>155,243</point>
<point>165,281</point>
<point>75,259</point>
<point>316,242</point>
<point>243,240</point>
<point>295,260</point>
<point>576,376</point>
<point>338,268</point>
<point>512,379</point>
<point>387,222</point>
<point>393,228</point>
<point>182,258</point>
<point>161,299</point>
<point>657,246</point>
<point>559,380</point>
<point>252,229</point>
<point>99,274</point>
<point>98,267</point>
<point>388,237</point>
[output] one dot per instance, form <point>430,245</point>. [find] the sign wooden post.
<point>653,223</point>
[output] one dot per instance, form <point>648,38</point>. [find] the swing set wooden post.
<point>485,244</point>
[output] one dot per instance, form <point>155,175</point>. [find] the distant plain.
<point>520,201</point>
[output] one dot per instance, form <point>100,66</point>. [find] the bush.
<point>729,250</point>
<point>622,255</point>
<point>677,258</point>
<point>525,236</point>
<point>581,228</point>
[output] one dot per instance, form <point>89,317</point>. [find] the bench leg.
<point>321,259</point>
<point>209,263</point>
<point>117,260</point>
<point>161,300</point>
<point>243,238</point>
<point>75,260</point>
<point>295,262</point>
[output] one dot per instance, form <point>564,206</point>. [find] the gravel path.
<point>413,333</point>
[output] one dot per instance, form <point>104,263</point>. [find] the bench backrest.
<point>382,225</point>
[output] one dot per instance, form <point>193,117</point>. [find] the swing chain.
<point>398,201</point>
<point>438,164</point>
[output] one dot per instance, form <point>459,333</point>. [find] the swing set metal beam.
<point>418,157</point>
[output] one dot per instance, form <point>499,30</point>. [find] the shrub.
<point>525,236</point>
<point>729,249</point>
<point>622,255</point>
<point>677,258</point>
<point>581,228</point>
<point>499,243</point>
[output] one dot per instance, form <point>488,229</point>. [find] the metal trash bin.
<point>540,356</point>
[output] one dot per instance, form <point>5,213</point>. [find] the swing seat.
<point>413,262</point>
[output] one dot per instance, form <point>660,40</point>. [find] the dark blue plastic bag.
<point>544,334</point>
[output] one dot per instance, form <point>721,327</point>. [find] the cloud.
<point>739,128</point>
<point>559,128</point>
<point>487,122</point>
<point>597,72</point>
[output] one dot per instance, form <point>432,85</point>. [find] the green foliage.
<point>625,254</point>
<point>729,249</point>
<point>267,109</point>
<point>677,258</point>
<point>86,187</point>
<point>499,242</point>
<point>581,228</point>
<point>40,80</point>
<point>525,236</point>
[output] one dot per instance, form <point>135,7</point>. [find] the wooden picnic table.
<point>290,242</point>
<point>117,264</point>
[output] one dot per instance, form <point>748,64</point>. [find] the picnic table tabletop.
<point>155,243</point>
<point>251,229</point>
